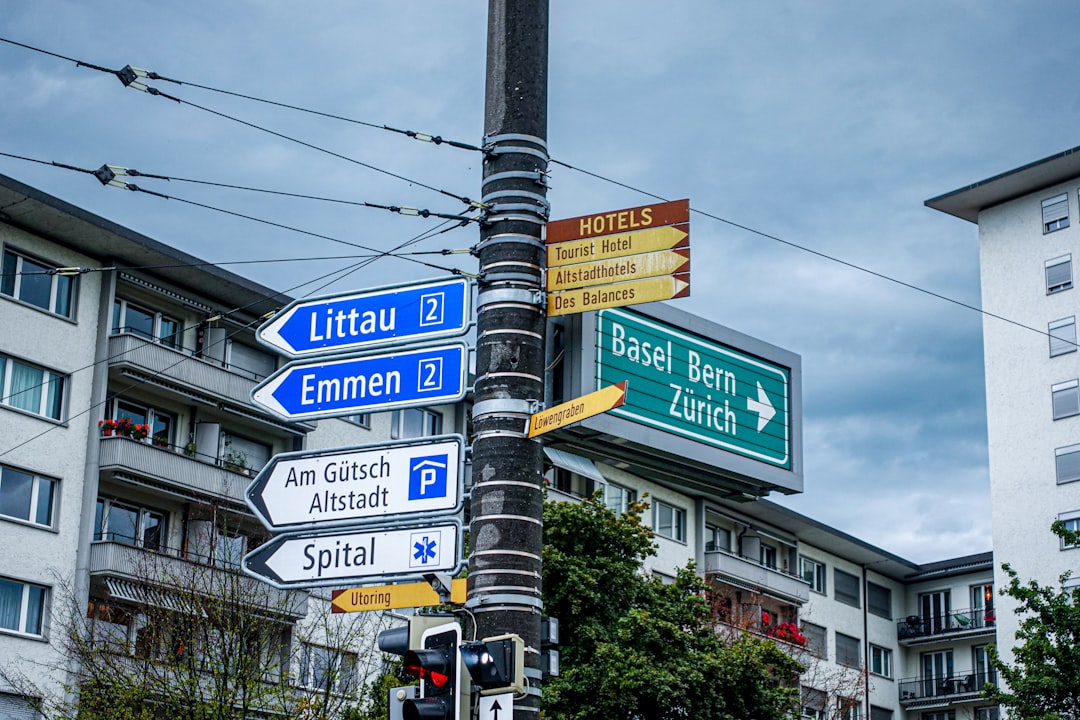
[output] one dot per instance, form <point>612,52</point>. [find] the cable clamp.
<point>540,200</point>
<point>514,137</point>
<point>537,176</point>
<point>516,149</point>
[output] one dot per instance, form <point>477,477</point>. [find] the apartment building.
<point>128,440</point>
<point>1027,232</point>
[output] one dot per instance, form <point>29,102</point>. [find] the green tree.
<point>636,648</point>
<point>1043,682</point>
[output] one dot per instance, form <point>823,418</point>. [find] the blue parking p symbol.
<point>427,477</point>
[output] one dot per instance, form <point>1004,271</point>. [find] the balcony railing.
<point>971,684</point>
<point>200,474</point>
<point>168,569</point>
<point>744,571</point>
<point>178,366</point>
<point>956,621</point>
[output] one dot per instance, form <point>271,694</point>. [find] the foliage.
<point>1043,682</point>
<point>208,643</point>
<point>373,704</point>
<point>634,647</point>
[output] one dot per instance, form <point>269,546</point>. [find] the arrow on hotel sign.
<point>578,409</point>
<point>619,221</point>
<point>619,245</point>
<point>391,597</point>
<point>621,294</point>
<point>633,267</point>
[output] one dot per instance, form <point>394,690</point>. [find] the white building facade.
<point>1028,237</point>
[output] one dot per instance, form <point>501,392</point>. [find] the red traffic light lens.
<point>427,665</point>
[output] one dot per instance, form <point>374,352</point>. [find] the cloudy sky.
<point>826,124</point>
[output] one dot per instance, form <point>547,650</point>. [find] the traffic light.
<point>496,664</point>
<point>429,650</point>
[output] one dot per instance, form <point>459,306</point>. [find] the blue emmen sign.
<point>390,315</point>
<point>312,389</point>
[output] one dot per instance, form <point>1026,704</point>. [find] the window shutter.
<point>1066,398</point>
<point>1067,461</point>
<point>1062,336</point>
<point>16,708</point>
<point>1059,274</point>
<point>1055,208</point>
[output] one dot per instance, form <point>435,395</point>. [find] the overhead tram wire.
<point>811,251</point>
<point>129,77</point>
<point>108,177</point>
<point>341,272</point>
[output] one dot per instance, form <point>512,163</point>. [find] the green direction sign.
<point>698,389</point>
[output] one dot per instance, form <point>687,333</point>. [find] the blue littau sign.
<point>313,389</point>
<point>380,317</point>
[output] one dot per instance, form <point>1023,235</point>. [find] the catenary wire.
<point>128,76</point>
<point>108,179</point>
<point>422,136</point>
<point>340,272</point>
<point>811,251</point>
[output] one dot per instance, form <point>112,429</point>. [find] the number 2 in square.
<point>431,371</point>
<point>432,307</point>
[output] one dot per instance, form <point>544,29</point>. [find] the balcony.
<point>757,577</point>
<point>968,687</point>
<point>166,578</point>
<point>178,471</point>
<point>918,629</point>
<point>178,366</point>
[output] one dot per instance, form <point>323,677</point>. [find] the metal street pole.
<point>507,498</point>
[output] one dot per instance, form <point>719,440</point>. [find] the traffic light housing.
<point>429,650</point>
<point>496,664</point>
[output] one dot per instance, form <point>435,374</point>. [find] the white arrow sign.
<point>312,560</point>
<point>762,406</point>
<point>368,484</point>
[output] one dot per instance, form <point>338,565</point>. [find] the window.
<point>669,521</point>
<point>161,423</point>
<point>129,524</point>
<point>27,280</point>
<point>25,496</point>
<point>846,588</point>
<point>22,607</point>
<point>881,661</point>
<point>146,323</point>
<point>848,708</point>
<point>1066,399</point>
<point>812,572</point>
<point>879,600</point>
<point>243,454</point>
<point>1071,521</point>
<point>216,545</point>
<point>1059,274</point>
<point>618,498</point>
<point>361,419</point>
<point>816,640</point>
<point>877,713</point>
<point>1067,463</point>
<point>813,703</point>
<point>415,422</point>
<point>768,556</point>
<point>942,715</point>
<point>1062,336</point>
<point>986,713</point>
<point>31,388</point>
<point>327,668</point>
<point>848,651</point>
<point>1055,213</point>
<point>18,707</point>
<point>717,538</point>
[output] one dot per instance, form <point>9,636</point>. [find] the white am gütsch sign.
<point>363,485</point>
<point>377,317</point>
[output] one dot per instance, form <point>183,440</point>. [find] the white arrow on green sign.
<point>695,388</point>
